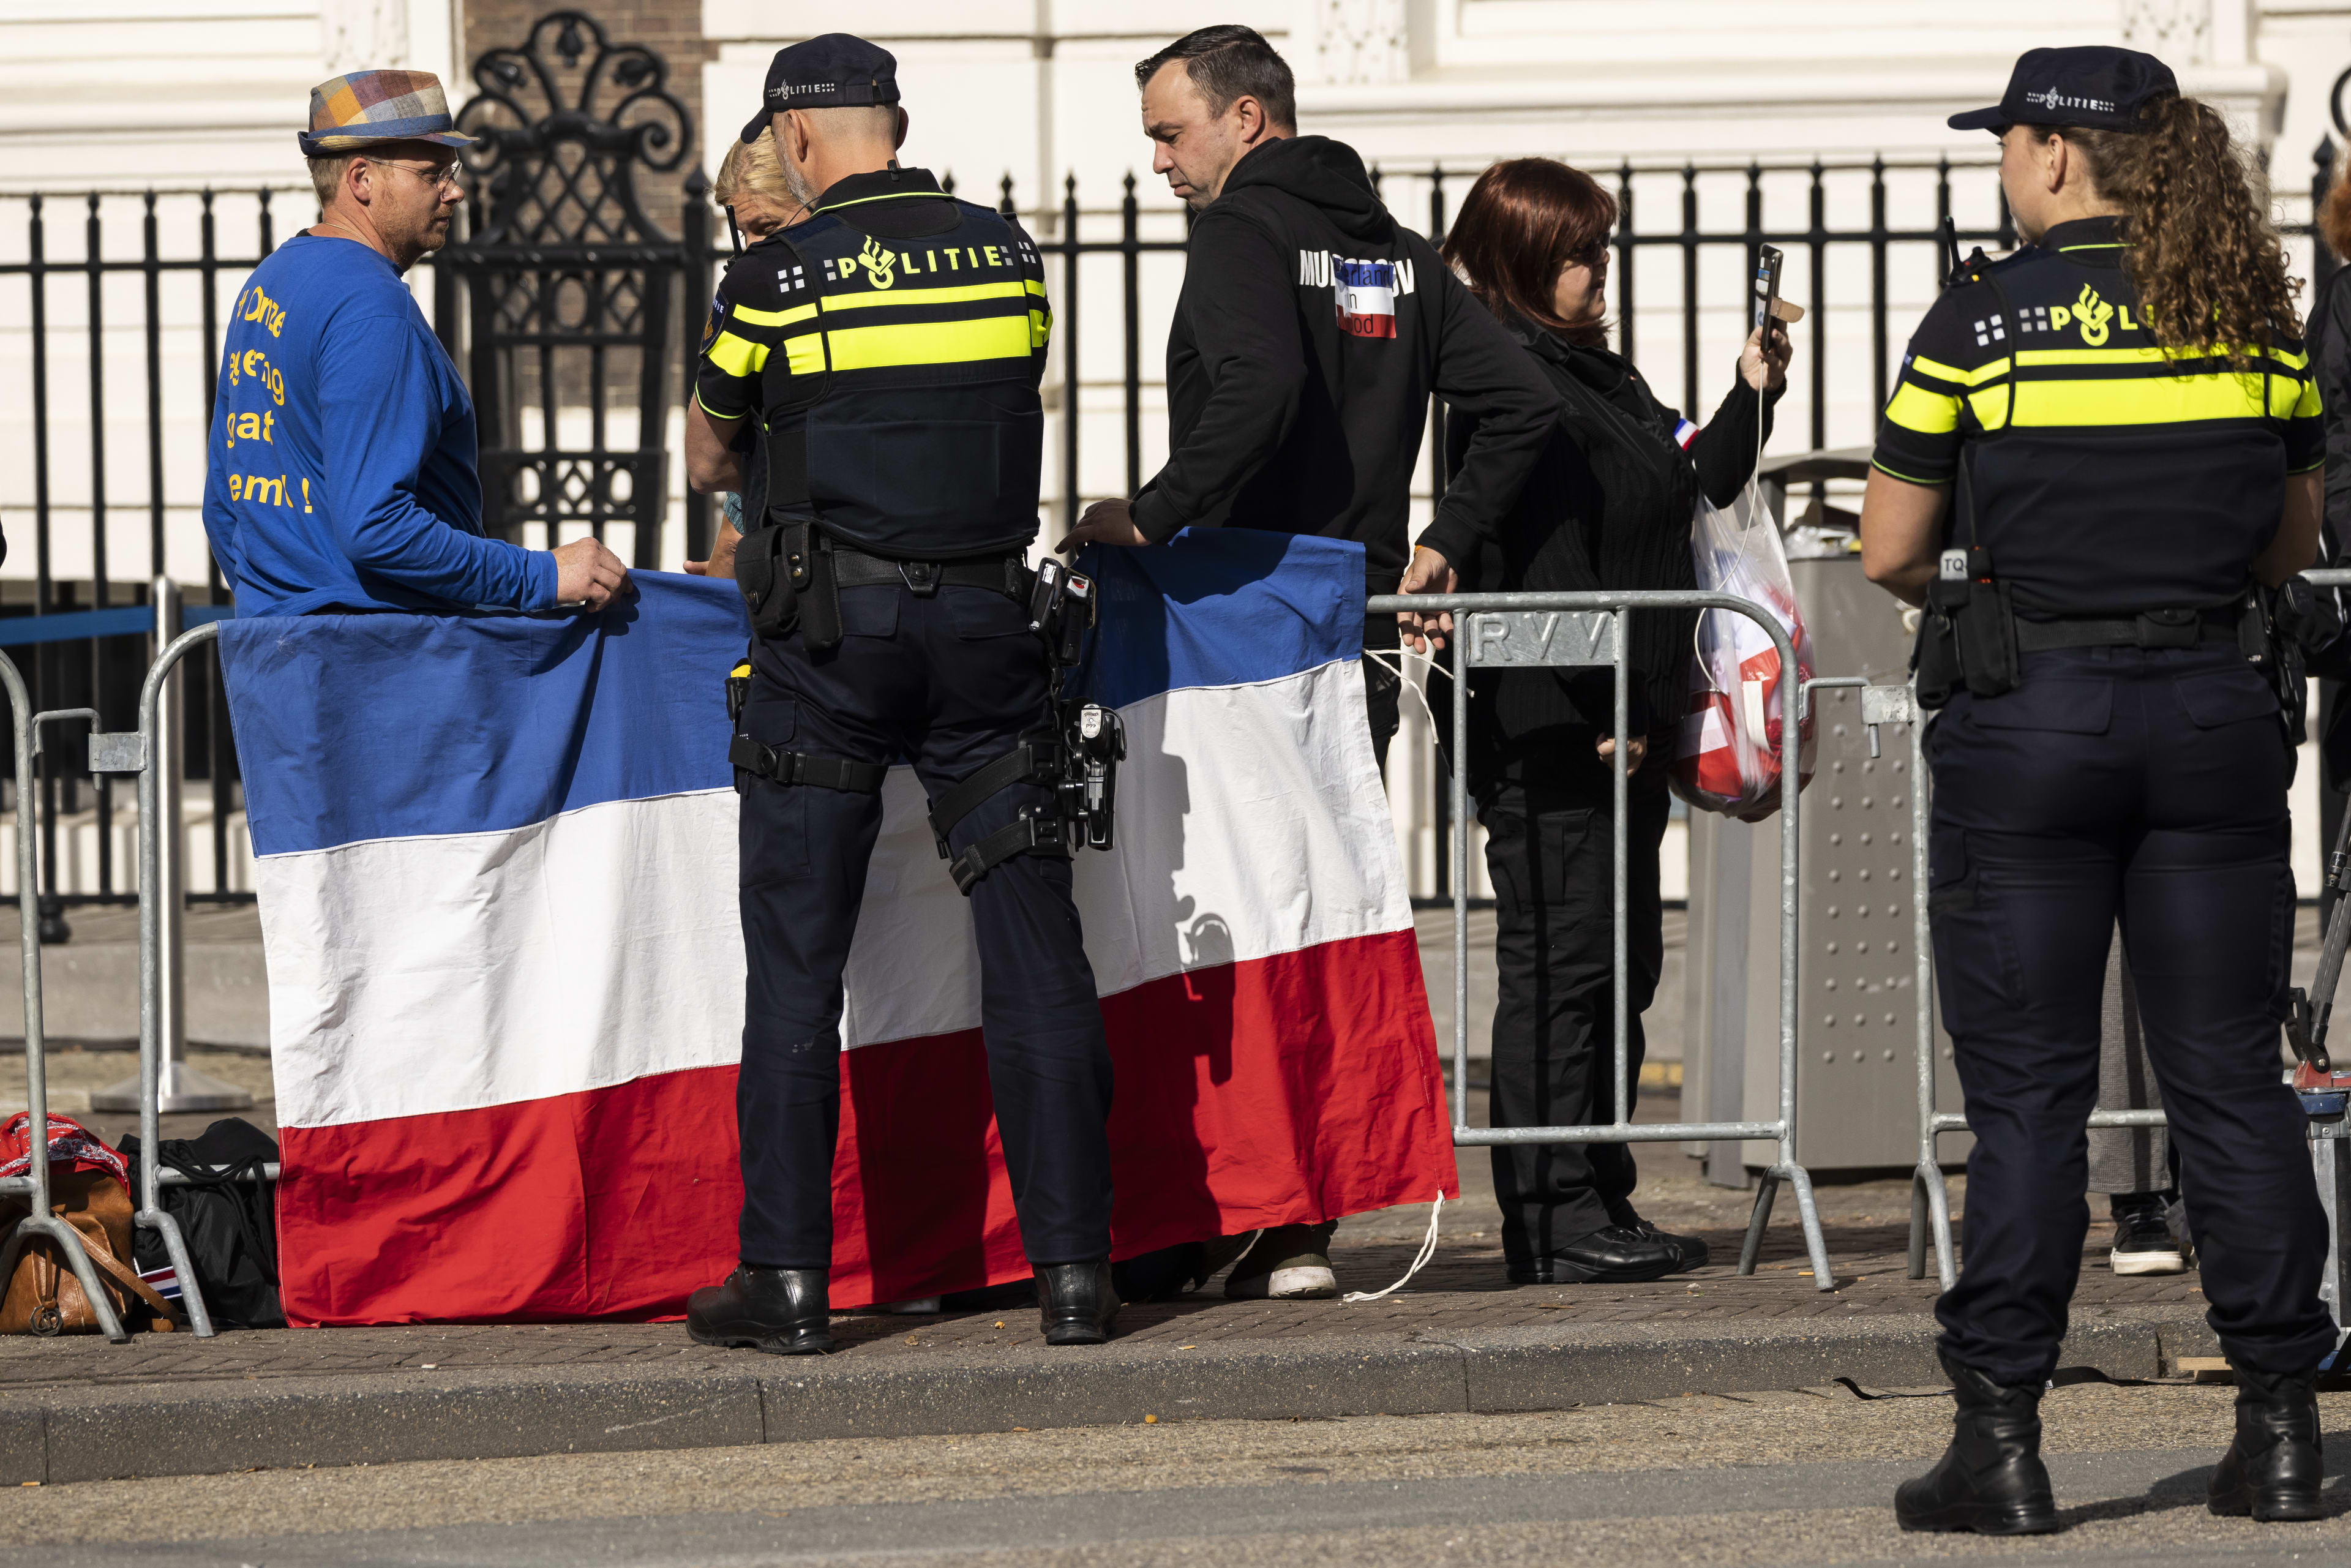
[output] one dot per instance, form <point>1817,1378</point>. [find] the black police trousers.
<point>950,683</point>
<point>1553,864</point>
<point>2149,785</point>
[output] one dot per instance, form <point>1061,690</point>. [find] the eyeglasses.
<point>445,177</point>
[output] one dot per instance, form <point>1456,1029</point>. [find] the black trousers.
<point>2149,786</point>
<point>1553,865</point>
<point>950,683</point>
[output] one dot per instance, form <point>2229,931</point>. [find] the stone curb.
<point>98,1431</point>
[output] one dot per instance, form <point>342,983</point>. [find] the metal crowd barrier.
<point>1930,1200</point>
<point>35,1184</point>
<point>1590,630</point>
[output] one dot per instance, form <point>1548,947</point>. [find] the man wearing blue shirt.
<point>341,471</point>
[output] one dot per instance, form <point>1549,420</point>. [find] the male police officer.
<point>888,346</point>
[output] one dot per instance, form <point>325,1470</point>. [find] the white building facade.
<point>122,96</point>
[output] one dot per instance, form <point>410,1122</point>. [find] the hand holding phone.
<point>1769,259</point>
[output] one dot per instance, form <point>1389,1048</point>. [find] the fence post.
<point>2322,259</point>
<point>179,1087</point>
<point>1689,286</point>
<point>1065,322</point>
<point>1624,259</point>
<point>693,223</point>
<point>38,1219</point>
<point>1877,282</point>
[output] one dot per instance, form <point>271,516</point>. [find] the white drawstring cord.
<point>1427,1250</point>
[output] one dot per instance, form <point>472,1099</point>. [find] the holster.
<point>1935,658</point>
<point>1986,625</point>
<point>763,574</point>
<point>787,581</point>
<point>1967,637</point>
<point>819,598</point>
<point>2277,631</point>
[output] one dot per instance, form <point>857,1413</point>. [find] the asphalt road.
<point>1799,1477</point>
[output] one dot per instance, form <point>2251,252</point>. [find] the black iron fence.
<point>118,298</point>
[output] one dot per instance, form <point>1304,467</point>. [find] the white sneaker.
<point>1287,1263</point>
<point>2144,1244</point>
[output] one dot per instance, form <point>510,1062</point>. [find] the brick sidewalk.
<point>1463,1290</point>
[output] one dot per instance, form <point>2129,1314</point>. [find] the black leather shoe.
<point>1991,1479</point>
<point>1075,1302</point>
<point>779,1311</point>
<point>1691,1252</point>
<point>2273,1469</point>
<point>1617,1255</point>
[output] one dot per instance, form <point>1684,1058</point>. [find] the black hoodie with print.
<point>1310,331</point>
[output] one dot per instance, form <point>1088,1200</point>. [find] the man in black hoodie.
<point>1311,331</point>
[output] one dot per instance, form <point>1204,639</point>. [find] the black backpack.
<point>227,1216</point>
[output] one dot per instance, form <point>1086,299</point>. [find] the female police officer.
<point>2133,436</point>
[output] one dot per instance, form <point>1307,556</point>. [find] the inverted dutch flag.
<point>496,866</point>
<point>1684,433</point>
<point>1365,293</point>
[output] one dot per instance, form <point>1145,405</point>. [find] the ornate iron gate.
<point>570,287</point>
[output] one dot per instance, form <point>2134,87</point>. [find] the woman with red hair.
<point>1608,507</point>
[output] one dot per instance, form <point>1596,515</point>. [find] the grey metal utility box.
<point>1857,1019</point>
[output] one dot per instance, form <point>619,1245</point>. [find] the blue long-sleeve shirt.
<point>341,470</point>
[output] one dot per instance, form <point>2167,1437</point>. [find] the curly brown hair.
<point>2208,264</point>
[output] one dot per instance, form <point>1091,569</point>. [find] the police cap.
<point>833,70</point>
<point>2094,86</point>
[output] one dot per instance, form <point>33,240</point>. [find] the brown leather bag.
<point>44,1296</point>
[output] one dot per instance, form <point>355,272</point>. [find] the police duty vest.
<point>900,401</point>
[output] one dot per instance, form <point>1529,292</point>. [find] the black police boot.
<point>779,1311</point>
<point>2273,1469</point>
<point>1075,1302</point>
<point>1991,1479</point>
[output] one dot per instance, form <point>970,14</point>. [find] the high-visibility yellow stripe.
<point>1036,288</point>
<point>1990,406</point>
<point>723,418</point>
<point>736,356</point>
<point>2157,400</point>
<point>1943,372</point>
<point>805,353</point>
<point>1906,478</point>
<point>1929,413</point>
<point>884,196</point>
<point>1040,328</point>
<point>930,344</point>
<point>2149,356</point>
<point>2309,405</point>
<point>751,317</point>
<point>949,295</point>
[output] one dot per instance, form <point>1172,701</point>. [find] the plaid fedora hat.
<point>355,111</point>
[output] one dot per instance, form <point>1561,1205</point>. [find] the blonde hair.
<point>752,168</point>
<point>327,174</point>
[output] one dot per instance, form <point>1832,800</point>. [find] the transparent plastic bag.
<point>1728,758</point>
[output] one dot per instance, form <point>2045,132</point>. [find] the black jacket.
<point>1310,331</point>
<point>1609,505</point>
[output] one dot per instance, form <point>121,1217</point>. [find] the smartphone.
<point>1768,261</point>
